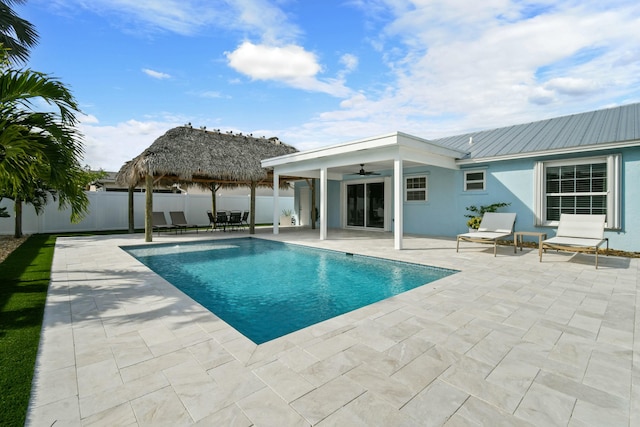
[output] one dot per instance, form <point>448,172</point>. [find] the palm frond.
<point>17,35</point>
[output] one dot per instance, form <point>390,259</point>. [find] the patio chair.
<point>212,221</point>
<point>235,219</point>
<point>221,220</point>
<point>178,219</point>
<point>578,233</point>
<point>159,223</point>
<point>245,219</point>
<point>493,226</point>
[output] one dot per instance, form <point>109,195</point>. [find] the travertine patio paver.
<point>506,341</point>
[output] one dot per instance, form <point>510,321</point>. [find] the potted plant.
<point>285,216</point>
<point>476,213</point>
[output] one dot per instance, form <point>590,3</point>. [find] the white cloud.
<point>156,74</point>
<point>542,96</point>
<point>290,64</point>
<point>349,61</point>
<point>88,119</point>
<point>109,147</point>
<point>210,94</point>
<point>276,57</point>
<point>572,86</point>
<point>454,65</point>
<point>264,19</point>
<point>463,66</point>
<point>189,17</point>
<point>262,62</point>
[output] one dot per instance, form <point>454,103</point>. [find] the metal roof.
<point>578,131</point>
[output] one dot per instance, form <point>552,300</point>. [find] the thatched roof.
<point>185,154</point>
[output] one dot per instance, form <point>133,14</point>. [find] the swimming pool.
<point>266,289</point>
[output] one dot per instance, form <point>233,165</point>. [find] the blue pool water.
<point>267,289</point>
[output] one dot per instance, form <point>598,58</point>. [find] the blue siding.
<point>507,181</point>
<point>513,182</point>
<point>333,200</point>
<point>436,217</point>
<point>333,204</point>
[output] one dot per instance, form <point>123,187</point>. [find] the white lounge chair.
<point>578,233</point>
<point>493,226</point>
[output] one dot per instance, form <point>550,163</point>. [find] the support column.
<point>252,209</point>
<point>148,208</point>
<point>323,203</point>
<point>276,203</point>
<point>398,203</point>
<point>130,207</point>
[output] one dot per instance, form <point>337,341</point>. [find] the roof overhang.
<point>377,153</point>
<point>549,153</point>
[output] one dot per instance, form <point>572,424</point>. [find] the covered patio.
<point>506,341</point>
<point>393,152</point>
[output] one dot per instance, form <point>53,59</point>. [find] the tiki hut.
<point>205,158</point>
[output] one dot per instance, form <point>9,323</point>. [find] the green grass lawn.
<point>24,280</point>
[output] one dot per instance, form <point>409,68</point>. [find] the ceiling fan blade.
<point>362,172</point>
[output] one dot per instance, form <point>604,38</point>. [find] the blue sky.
<point>316,73</point>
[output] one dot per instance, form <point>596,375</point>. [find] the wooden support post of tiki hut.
<point>130,208</point>
<point>148,209</point>
<point>252,209</point>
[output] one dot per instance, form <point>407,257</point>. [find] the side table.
<point>517,239</point>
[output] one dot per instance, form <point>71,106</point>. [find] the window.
<point>474,181</point>
<point>416,189</point>
<point>580,186</point>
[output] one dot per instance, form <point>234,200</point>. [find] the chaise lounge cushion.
<point>578,233</point>
<point>493,226</point>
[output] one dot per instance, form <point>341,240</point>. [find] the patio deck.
<point>507,341</point>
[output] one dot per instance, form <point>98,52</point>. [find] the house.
<point>582,163</point>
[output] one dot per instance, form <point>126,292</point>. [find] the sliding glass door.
<point>365,205</point>
<point>375,204</point>
<point>355,205</point>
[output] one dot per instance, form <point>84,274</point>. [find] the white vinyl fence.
<point>109,211</point>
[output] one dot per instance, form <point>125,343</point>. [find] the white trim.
<point>396,140</point>
<point>425,189</point>
<point>398,212</point>
<point>344,203</point>
<point>547,153</point>
<point>276,204</point>
<point>538,194</point>
<point>614,209</point>
<point>614,176</point>
<point>323,203</point>
<point>577,161</point>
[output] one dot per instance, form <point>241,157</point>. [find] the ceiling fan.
<point>363,172</point>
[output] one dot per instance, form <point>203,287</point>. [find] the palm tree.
<point>16,34</point>
<point>42,149</point>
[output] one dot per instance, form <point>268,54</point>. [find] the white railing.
<point>109,211</point>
